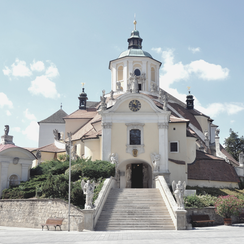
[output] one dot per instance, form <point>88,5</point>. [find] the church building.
<point>147,132</point>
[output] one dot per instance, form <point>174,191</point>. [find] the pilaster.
<point>106,140</point>
<point>163,146</point>
<point>4,176</point>
<point>24,171</point>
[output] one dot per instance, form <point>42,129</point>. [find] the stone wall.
<point>210,211</point>
<point>31,213</point>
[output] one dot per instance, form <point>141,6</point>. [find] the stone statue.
<point>206,136</point>
<point>38,156</point>
<point>153,87</point>
<point>217,132</point>
<point>134,83</point>
<point>56,134</point>
<point>160,95</point>
<point>128,177</point>
<point>88,190</point>
<point>165,101</point>
<point>156,161</point>
<point>118,84</point>
<point>114,158</point>
<point>6,130</point>
<point>103,100</point>
<point>145,176</point>
<point>112,95</point>
<point>179,190</point>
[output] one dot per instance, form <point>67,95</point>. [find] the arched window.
<point>13,180</point>
<point>120,73</point>
<point>135,137</point>
<point>152,74</point>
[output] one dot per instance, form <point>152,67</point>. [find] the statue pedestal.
<point>181,219</point>
<point>6,139</point>
<point>88,220</point>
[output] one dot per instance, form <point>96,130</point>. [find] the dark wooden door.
<point>137,176</point>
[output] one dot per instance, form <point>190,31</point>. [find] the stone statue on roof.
<point>56,134</point>
<point>103,100</point>
<point>112,95</point>
<point>6,130</point>
<point>134,88</point>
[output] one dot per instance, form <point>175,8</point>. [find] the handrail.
<point>102,197</point>
<point>169,200</point>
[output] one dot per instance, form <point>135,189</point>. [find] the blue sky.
<point>49,47</point>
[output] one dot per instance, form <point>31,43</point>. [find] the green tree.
<point>234,144</point>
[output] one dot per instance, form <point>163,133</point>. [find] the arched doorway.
<point>135,174</point>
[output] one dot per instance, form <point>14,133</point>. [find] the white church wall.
<point>209,183</point>
<point>46,136</point>
<point>92,149</point>
<point>80,149</point>
<point>191,150</point>
<point>177,133</point>
<point>203,121</point>
<point>177,172</point>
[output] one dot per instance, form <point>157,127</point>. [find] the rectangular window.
<point>173,146</point>
<point>135,137</point>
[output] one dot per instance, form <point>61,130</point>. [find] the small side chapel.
<point>147,132</point>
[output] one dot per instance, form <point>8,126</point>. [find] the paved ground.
<point>206,235</point>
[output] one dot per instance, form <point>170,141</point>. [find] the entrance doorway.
<point>137,175</point>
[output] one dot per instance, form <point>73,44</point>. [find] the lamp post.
<point>69,136</point>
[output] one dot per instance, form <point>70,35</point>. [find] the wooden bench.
<point>53,222</point>
<point>203,218</point>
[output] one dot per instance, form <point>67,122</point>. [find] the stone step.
<point>134,209</point>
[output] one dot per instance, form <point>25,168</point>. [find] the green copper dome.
<point>135,52</point>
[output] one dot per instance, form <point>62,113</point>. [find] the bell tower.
<point>82,98</point>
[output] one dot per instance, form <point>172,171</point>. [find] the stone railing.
<point>178,216</point>
<point>91,215</point>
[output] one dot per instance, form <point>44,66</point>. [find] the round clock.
<point>134,105</point>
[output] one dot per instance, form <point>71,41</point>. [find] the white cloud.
<point>43,86</point>
<point>32,131</point>
<point>37,66</point>
<point>215,109</point>
<point>232,121</point>
<point>28,115</point>
<point>7,71</point>
<point>17,129</point>
<point>207,71</point>
<point>18,69</point>
<point>173,72</point>
<point>8,113</point>
<point>194,49</point>
<point>52,71</point>
<point>4,101</point>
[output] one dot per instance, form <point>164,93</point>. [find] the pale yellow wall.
<point>72,125</point>
<point>177,172</point>
<point>124,107</point>
<point>178,135</point>
<point>119,141</point>
<point>92,149</point>
<point>14,170</point>
<point>203,121</point>
<point>191,150</point>
<point>80,149</point>
<point>217,184</point>
<point>46,156</point>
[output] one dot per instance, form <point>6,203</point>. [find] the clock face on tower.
<point>134,105</point>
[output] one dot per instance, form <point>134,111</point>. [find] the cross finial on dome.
<point>134,22</point>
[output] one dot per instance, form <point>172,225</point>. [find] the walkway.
<point>210,235</point>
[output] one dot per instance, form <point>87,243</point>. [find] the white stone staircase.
<point>134,209</point>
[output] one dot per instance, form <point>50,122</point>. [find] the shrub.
<point>193,202</point>
<point>227,206</point>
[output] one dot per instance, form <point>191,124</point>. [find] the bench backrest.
<point>200,217</point>
<point>54,221</point>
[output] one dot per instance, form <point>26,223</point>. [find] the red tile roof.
<point>6,146</point>
<point>209,167</point>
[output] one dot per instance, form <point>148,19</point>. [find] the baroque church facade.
<point>143,130</point>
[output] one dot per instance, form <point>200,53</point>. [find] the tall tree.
<point>234,144</point>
